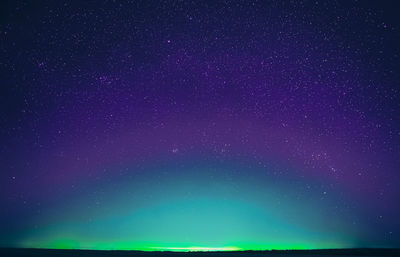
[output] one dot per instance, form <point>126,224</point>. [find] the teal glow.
<point>203,209</point>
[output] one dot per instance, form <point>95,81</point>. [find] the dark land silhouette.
<point>25,252</point>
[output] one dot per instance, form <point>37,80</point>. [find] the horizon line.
<point>202,249</point>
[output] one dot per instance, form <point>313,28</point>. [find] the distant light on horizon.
<point>197,249</point>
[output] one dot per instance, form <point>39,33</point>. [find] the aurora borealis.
<point>196,126</point>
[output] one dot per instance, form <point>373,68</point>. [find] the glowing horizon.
<point>126,246</point>
<point>197,249</point>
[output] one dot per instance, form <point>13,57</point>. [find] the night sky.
<point>196,125</point>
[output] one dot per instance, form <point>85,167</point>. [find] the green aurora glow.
<point>191,212</point>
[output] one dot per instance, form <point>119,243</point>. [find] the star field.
<point>194,125</point>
